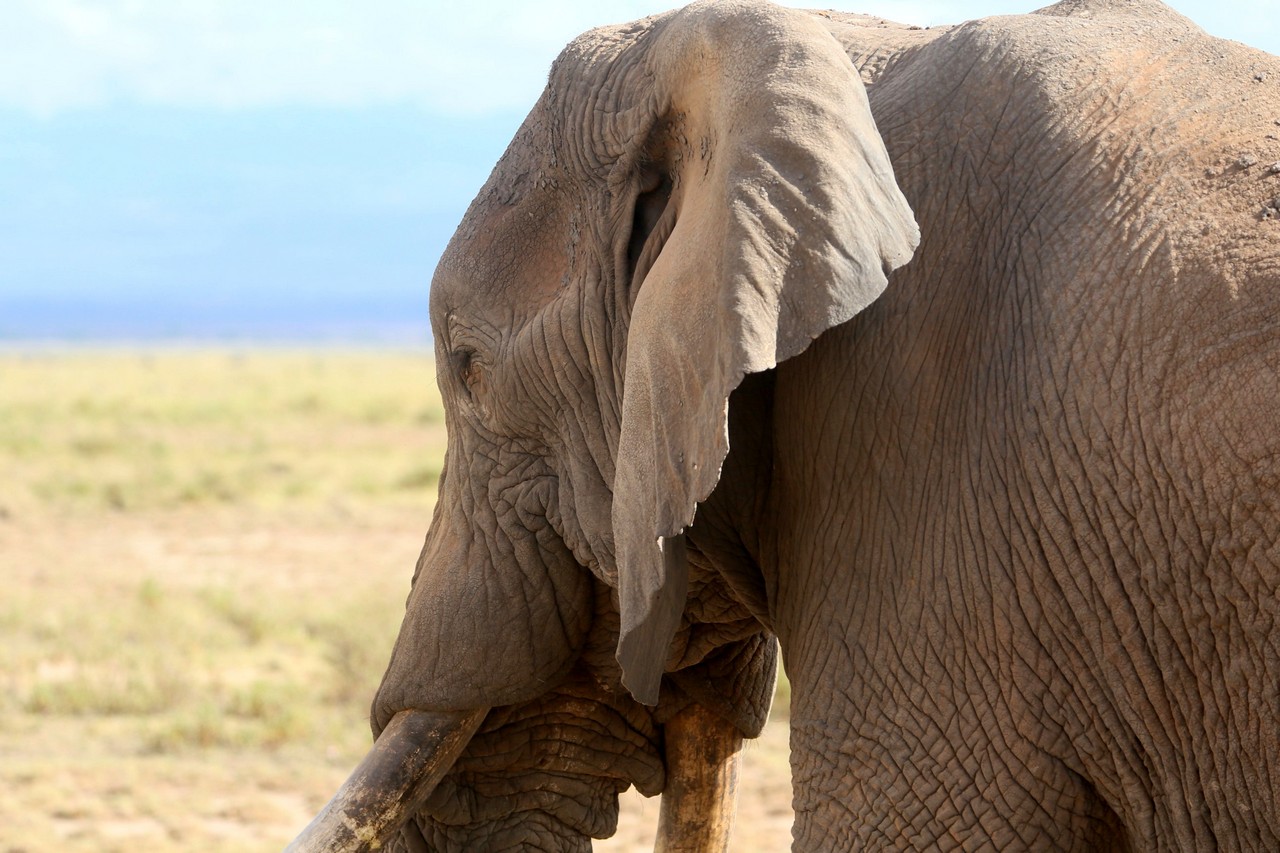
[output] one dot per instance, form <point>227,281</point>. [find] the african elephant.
<point>1011,510</point>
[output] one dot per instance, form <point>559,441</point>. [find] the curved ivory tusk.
<point>700,798</point>
<point>407,761</point>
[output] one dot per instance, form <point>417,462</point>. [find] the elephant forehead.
<point>556,183</point>
<point>545,209</point>
<point>507,259</point>
<point>507,256</point>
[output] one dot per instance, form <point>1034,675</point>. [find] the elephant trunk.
<point>393,781</point>
<point>700,797</point>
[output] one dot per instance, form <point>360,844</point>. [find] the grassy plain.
<point>204,557</point>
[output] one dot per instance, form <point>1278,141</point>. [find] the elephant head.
<point>694,198</point>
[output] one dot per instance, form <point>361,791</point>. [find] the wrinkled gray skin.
<point>1014,522</point>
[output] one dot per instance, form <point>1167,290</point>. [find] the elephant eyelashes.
<point>651,224</point>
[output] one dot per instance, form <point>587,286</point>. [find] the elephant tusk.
<point>393,781</point>
<point>700,797</point>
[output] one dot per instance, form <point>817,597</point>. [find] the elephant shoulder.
<point>1068,29</point>
<point>1146,9</point>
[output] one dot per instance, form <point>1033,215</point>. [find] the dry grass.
<point>205,558</point>
<point>166,430</point>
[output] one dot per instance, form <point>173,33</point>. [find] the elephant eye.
<point>468,367</point>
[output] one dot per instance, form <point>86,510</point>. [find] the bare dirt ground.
<point>202,581</point>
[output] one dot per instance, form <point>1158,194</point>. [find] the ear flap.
<point>788,222</point>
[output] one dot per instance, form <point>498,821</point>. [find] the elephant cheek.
<point>492,620</point>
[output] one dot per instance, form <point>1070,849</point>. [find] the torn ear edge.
<point>642,651</point>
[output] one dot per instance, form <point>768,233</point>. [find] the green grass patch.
<point>126,431</point>
<point>203,667</point>
<point>248,662</point>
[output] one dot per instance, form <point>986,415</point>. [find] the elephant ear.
<point>787,223</point>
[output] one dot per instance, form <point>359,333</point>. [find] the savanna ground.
<point>204,557</point>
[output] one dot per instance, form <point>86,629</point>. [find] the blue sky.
<point>272,169</point>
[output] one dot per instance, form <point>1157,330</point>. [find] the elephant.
<point>942,362</point>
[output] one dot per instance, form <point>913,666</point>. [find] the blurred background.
<point>219,431</point>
